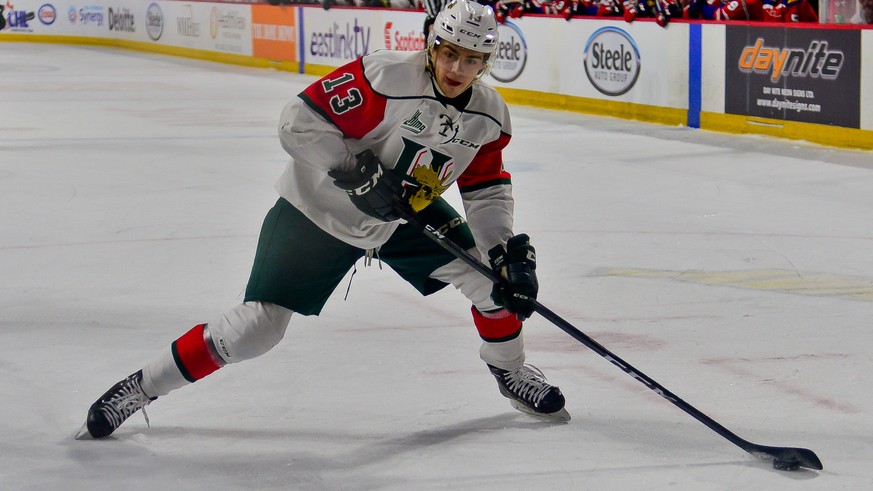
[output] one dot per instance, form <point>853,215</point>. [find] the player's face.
<point>455,68</point>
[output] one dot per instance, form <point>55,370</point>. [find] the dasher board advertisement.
<point>803,75</point>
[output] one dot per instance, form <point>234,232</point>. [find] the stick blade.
<point>788,458</point>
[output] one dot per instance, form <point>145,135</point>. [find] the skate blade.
<point>83,433</point>
<point>561,416</point>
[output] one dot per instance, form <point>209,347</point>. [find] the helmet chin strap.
<point>429,66</point>
<point>436,86</point>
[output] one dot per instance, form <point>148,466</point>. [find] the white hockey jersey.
<point>386,102</point>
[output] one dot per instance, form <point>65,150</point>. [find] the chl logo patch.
<point>414,124</point>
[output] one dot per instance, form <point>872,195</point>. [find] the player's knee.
<point>469,282</point>
<point>249,330</point>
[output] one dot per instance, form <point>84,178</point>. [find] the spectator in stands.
<point>865,13</point>
<point>661,10</point>
<point>799,11</point>
<point>431,9</point>
<point>752,10</point>
<point>565,8</point>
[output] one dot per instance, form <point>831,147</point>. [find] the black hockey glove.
<point>517,264</point>
<point>376,191</point>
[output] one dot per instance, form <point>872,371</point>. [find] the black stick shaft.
<point>803,457</point>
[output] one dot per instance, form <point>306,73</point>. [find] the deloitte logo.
<point>511,55</point>
<point>612,61</point>
<point>154,19</point>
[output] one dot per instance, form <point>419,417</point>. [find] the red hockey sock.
<point>193,356</point>
<point>496,326</point>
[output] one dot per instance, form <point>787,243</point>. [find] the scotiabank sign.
<point>794,74</point>
<point>397,38</point>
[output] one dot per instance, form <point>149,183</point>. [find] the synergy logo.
<point>511,56</point>
<point>154,21</point>
<point>815,61</point>
<point>87,15</point>
<point>612,61</point>
<point>396,40</point>
<point>92,14</point>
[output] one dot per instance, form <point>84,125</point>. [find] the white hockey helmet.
<point>469,25</point>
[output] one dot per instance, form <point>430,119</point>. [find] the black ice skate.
<point>114,407</point>
<point>527,390</point>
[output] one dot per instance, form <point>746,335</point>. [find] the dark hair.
<point>428,22</point>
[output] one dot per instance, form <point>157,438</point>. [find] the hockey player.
<point>372,142</point>
<point>865,12</point>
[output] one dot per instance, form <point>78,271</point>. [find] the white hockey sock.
<point>161,375</point>
<point>246,331</point>
<point>507,355</point>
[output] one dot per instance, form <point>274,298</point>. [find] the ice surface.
<point>736,271</point>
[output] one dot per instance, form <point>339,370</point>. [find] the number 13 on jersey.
<point>345,99</point>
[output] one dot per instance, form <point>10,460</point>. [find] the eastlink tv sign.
<point>338,39</point>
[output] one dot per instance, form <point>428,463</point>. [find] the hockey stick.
<point>783,458</point>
